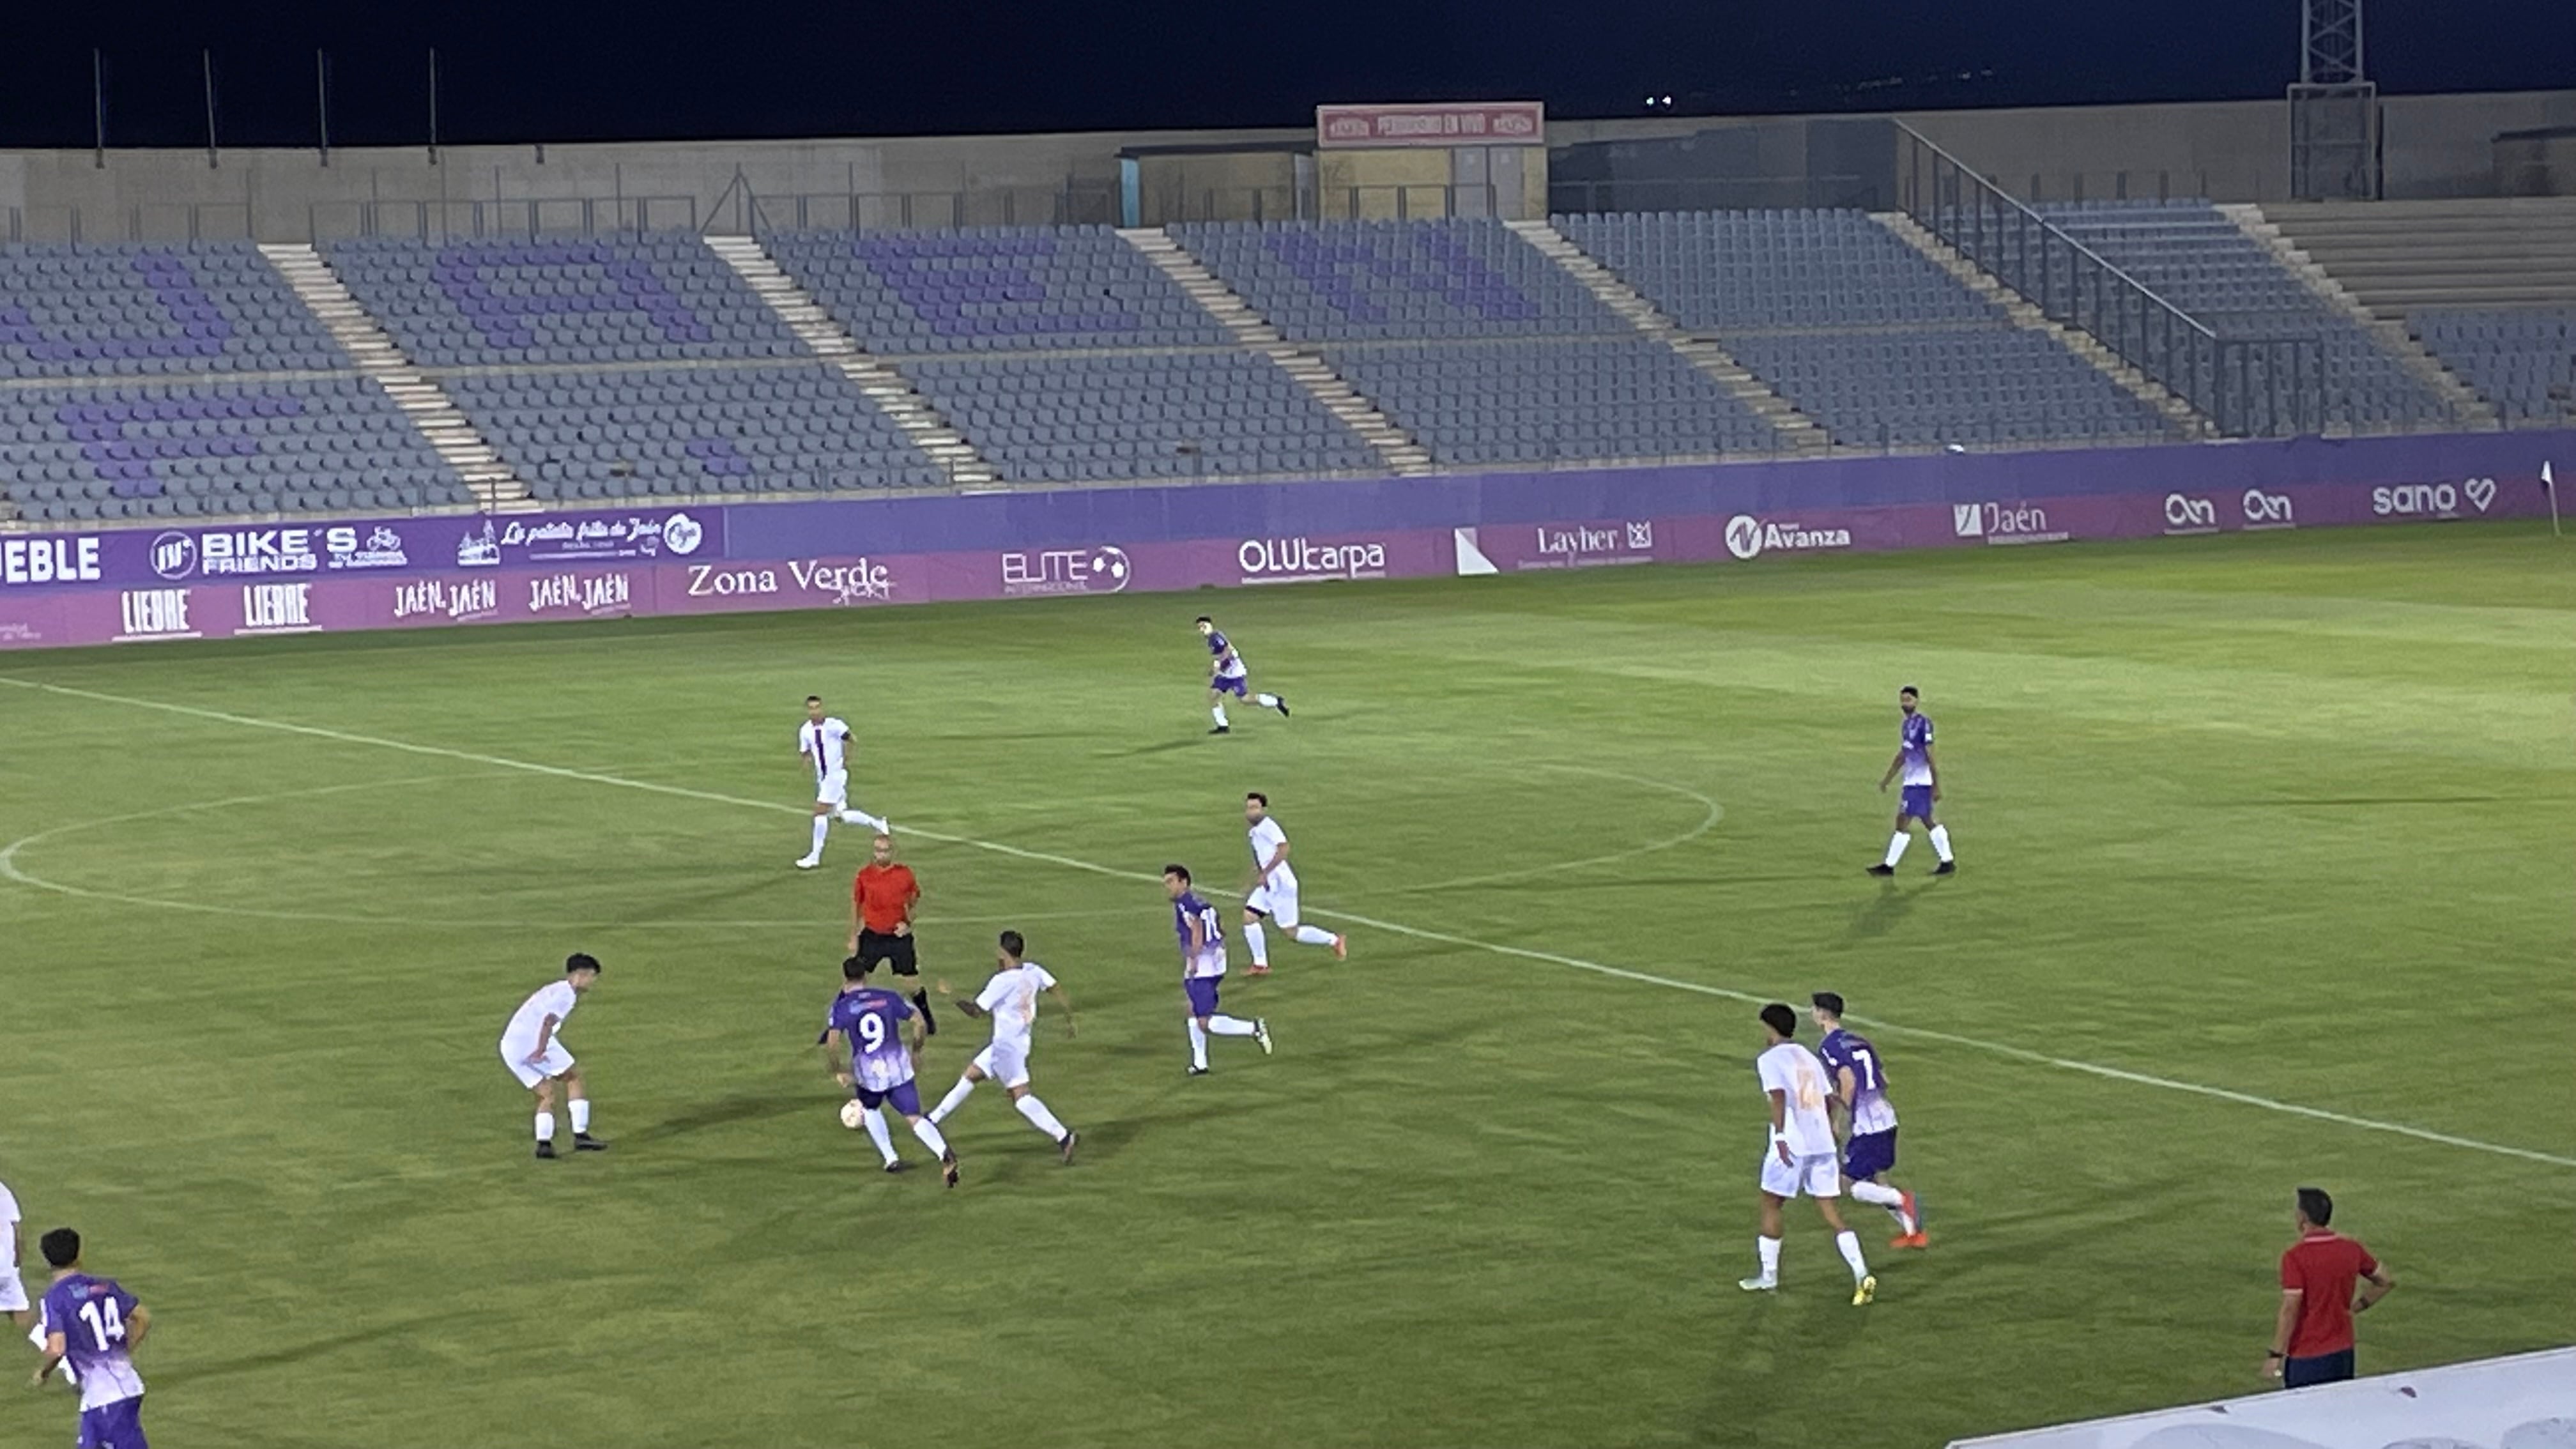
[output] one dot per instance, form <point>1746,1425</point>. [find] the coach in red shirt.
<point>881,902</point>
<point>2312,1344</point>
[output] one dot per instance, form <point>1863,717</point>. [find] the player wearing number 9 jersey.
<point>870,1023</point>
<point>95,1325</point>
<point>1860,1088</point>
<point>1801,1154</point>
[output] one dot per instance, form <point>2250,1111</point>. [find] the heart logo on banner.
<point>2481,492</point>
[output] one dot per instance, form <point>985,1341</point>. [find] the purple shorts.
<point>1868,1154</point>
<point>1202,990</point>
<point>906,1097</point>
<point>114,1426</point>
<point>1235,686</point>
<point>1918,803</point>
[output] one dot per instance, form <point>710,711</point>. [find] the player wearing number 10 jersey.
<point>96,1325</point>
<point>870,1022</point>
<point>1859,1081</point>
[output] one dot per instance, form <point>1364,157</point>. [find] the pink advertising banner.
<point>1478,123</point>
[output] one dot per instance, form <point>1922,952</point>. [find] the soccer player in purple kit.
<point>870,1022</point>
<point>95,1325</point>
<point>1922,789</point>
<point>1859,1083</point>
<point>1227,675</point>
<point>1202,967</point>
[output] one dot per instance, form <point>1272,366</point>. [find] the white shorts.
<point>554,1063</point>
<point>1814,1176</point>
<point>1004,1062</point>
<point>1278,902</point>
<point>13,1292</point>
<point>833,789</point>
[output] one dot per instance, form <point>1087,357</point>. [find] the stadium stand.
<point>185,449</point>
<point>138,310</point>
<point>2523,360</point>
<point>1862,332</point>
<point>1475,342</point>
<point>2195,257</point>
<point>1065,355</point>
<point>689,431</point>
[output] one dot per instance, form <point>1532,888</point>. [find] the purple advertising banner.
<point>226,581</point>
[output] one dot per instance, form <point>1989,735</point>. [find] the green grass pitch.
<point>2285,816</point>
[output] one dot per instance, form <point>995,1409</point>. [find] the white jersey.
<point>828,743</point>
<point>555,999</point>
<point>1268,840</point>
<point>1011,998</point>
<point>8,1232</point>
<point>1793,1070</point>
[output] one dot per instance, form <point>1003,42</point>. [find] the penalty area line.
<point>1577,963</point>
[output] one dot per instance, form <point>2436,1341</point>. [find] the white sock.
<point>929,1135</point>
<point>1849,1242</point>
<point>1230,1026</point>
<point>1219,712</point>
<point>1040,1118</point>
<point>580,1115</point>
<point>1266,701</point>
<point>1896,846</point>
<point>1314,936</point>
<point>822,828</point>
<point>1770,1250</point>
<point>1882,1195</point>
<point>948,1104</point>
<point>1198,1044</point>
<point>545,1126</point>
<point>1256,943</point>
<point>878,1134</point>
<point>1941,841</point>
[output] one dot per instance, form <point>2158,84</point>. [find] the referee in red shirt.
<point>881,902</point>
<point>2312,1343</point>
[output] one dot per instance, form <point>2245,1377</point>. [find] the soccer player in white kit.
<point>1011,999</point>
<point>13,1288</point>
<point>1801,1154</point>
<point>532,1048</point>
<point>823,742</point>
<point>1272,889</point>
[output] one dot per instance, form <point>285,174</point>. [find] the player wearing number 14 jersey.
<point>95,1325</point>
<point>1859,1084</point>
<point>870,1021</point>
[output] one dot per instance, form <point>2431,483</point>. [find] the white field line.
<point>2001,1049</point>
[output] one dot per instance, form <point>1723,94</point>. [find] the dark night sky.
<point>589,71</point>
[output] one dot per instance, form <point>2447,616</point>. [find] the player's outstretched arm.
<point>137,1324</point>
<point>834,1063</point>
<point>55,1348</point>
<point>1067,1003</point>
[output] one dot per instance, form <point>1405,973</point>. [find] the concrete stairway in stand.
<point>2389,334</point>
<point>2398,257</point>
<point>1311,372</point>
<point>448,430</point>
<point>890,390</point>
<point>2025,314</point>
<point>1797,431</point>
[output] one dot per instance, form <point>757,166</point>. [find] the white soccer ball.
<point>853,1116</point>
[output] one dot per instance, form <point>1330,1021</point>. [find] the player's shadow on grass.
<point>200,1370</point>
<point>725,1113</point>
<point>1886,910</point>
<point>1163,747</point>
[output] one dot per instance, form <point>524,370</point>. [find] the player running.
<point>1202,968</point>
<point>1801,1158</point>
<point>1226,675</point>
<point>1011,999</point>
<point>532,1048</point>
<point>823,742</point>
<point>94,1326</point>
<point>1922,787</point>
<point>1860,1088</point>
<point>881,900</point>
<point>1271,890</point>
<point>13,1287</point>
<point>869,1021</point>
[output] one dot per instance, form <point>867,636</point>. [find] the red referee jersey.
<point>883,893</point>
<point>2323,1266</point>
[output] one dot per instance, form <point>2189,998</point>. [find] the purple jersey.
<point>1209,959</point>
<point>1229,665</point>
<point>90,1314</point>
<point>871,1019</point>
<point>1850,1051</point>
<point>1914,746</point>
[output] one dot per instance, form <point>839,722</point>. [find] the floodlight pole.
<point>2334,108</point>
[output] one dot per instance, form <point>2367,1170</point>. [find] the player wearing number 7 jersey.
<point>870,1021</point>
<point>1860,1088</point>
<point>1801,1155</point>
<point>1011,999</point>
<point>96,1325</point>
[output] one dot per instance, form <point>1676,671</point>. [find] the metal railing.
<point>437,218</point>
<point>2253,386</point>
<point>1712,193</point>
<point>1071,204</point>
<point>1164,205</point>
<point>143,221</point>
